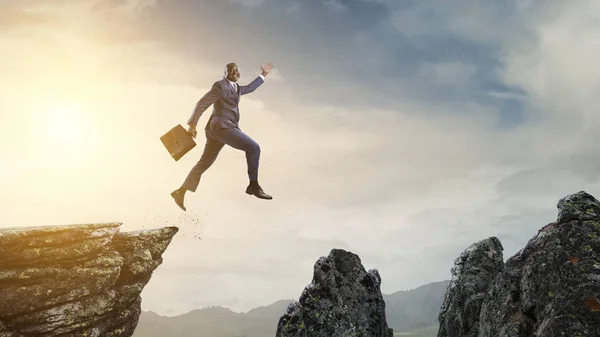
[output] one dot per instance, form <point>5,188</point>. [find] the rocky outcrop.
<point>473,272</point>
<point>76,280</point>
<point>343,300</point>
<point>549,288</point>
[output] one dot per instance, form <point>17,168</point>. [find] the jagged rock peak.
<point>76,280</point>
<point>472,274</point>
<point>578,206</point>
<point>342,300</point>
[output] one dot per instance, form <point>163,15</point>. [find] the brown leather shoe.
<point>258,192</point>
<point>178,196</point>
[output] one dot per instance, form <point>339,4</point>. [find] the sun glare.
<point>65,125</point>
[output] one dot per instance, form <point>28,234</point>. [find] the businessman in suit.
<point>222,128</point>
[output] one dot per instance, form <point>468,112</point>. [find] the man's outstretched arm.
<point>246,89</point>
<point>209,98</point>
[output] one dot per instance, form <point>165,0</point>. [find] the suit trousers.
<point>215,140</point>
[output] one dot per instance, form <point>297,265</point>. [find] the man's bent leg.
<point>211,151</point>
<point>237,139</point>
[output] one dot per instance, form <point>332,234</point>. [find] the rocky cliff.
<point>75,280</point>
<point>342,300</point>
<point>549,288</point>
<point>473,272</point>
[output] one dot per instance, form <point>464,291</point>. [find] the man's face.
<point>233,73</point>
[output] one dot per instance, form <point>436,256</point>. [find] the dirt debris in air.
<point>188,224</point>
<point>191,222</point>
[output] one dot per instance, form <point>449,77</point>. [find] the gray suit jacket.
<point>225,112</point>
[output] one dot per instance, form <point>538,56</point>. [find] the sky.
<point>402,131</point>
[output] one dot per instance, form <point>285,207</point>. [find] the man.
<point>222,128</point>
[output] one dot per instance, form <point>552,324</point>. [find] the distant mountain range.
<point>411,312</point>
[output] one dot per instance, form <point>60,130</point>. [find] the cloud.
<point>555,67</point>
<point>275,75</point>
<point>447,73</point>
<point>249,3</point>
<point>335,6</point>
<point>507,95</point>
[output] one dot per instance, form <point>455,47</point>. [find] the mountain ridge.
<point>280,300</point>
<point>406,310</point>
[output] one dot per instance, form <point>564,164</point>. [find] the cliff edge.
<point>76,280</point>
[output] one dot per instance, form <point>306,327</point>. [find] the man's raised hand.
<point>266,68</point>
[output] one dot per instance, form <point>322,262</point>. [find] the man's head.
<point>232,72</point>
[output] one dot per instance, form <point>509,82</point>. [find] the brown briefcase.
<point>178,142</point>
